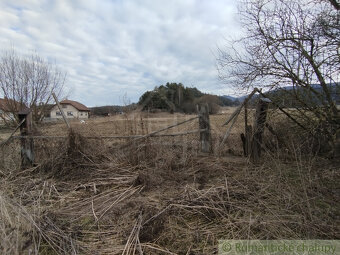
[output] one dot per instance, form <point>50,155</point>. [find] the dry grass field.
<point>161,195</point>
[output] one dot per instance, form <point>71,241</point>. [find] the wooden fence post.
<point>27,145</point>
<point>61,110</point>
<point>204,124</point>
<point>246,137</point>
<point>259,124</point>
<point>249,134</point>
<point>233,117</point>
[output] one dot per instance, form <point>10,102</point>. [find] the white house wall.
<point>70,112</point>
<point>6,116</point>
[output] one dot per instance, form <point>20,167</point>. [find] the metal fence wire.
<point>130,134</point>
<point>142,132</point>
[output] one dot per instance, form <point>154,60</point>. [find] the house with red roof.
<point>8,108</point>
<point>72,110</point>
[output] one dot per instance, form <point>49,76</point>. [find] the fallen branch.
<point>238,110</point>
<point>15,130</point>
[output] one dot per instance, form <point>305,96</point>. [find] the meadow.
<point>161,195</point>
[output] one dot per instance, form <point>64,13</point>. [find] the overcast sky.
<point>117,47</point>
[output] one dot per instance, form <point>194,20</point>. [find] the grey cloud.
<point>110,48</point>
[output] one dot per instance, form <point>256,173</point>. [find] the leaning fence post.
<point>27,145</point>
<point>204,126</point>
<point>259,124</point>
<point>60,109</point>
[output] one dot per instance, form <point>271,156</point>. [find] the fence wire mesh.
<point>101,135</point>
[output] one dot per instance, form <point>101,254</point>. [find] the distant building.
<point>72,110</point>
<point>9,107</point>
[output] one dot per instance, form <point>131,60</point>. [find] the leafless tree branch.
<point>29,81</point>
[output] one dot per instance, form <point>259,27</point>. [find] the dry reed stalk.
<point>200,199</point>
<point>133,243</point>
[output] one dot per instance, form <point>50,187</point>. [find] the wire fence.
<point>113,134</point>
<point>137,131</point>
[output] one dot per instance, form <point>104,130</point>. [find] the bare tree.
<point>289,42</point>
<point>28,81</point>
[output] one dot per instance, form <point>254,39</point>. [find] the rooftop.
<point>75,104</point>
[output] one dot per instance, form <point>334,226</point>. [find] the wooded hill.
<point>301,97</point>
<point>175,97</point>
<point>293,97</point>
<point>107,110</point>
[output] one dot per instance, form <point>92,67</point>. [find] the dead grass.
<point>160,195</point>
